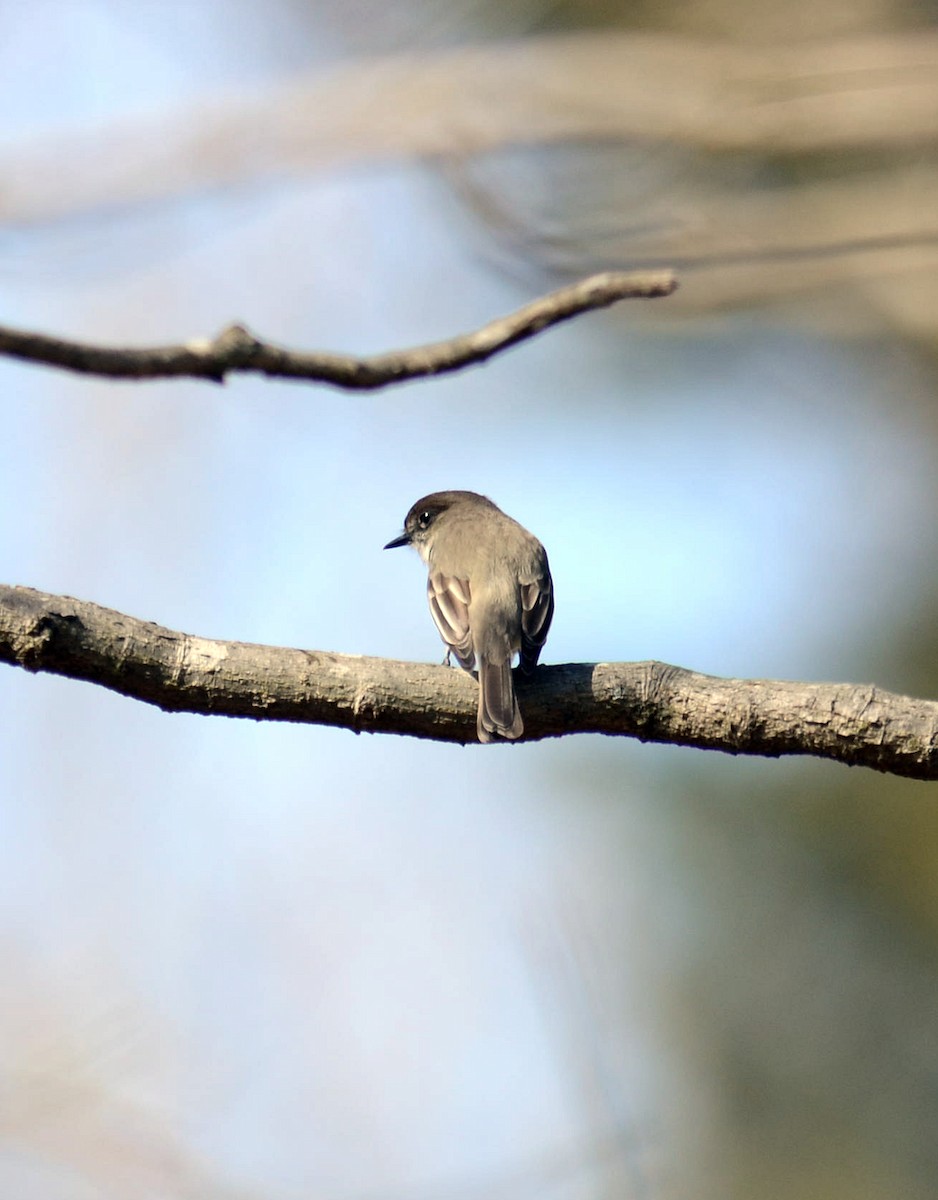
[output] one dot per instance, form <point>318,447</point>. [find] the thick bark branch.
<point>857,725</point>
<point>236,349</point>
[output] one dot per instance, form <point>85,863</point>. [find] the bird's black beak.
<point>403,540</point>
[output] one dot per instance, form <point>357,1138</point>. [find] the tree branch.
<point>236,349</point>
<point>857,725</point>
<point>850,96</point>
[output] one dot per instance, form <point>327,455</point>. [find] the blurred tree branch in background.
<point>857,725</point>
<point>869,93</point>
<point>236,349</point>
<point>777,168</point>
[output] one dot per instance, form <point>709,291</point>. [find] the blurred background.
<point>249,961</point>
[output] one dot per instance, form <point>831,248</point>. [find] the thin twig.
<point>237,349</point>
<point>855,724</point>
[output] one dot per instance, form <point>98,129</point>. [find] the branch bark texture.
<point>237,349</point>
<point>178,672</point>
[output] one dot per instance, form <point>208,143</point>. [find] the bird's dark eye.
<point>423,520</point>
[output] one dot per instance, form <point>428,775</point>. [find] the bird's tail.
<point>498,708</point>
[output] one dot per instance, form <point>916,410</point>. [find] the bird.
<point>490,592</point>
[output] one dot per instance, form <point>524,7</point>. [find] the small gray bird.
<point>490,592</point>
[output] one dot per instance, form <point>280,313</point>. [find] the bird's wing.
<point>537,610</point>
<point>449,607</point>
